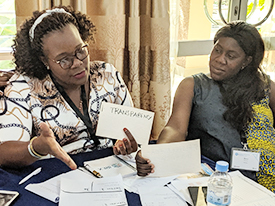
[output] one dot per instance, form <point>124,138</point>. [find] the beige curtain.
<point>133,35</point>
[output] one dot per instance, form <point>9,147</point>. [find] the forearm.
<point>170,134</point>
<point>15,154</point>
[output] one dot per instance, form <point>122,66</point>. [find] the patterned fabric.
<point>27,102</point>
<point>260,136</point>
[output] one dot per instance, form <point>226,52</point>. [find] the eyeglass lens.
<point>80,54</point>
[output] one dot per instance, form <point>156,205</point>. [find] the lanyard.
<point>85,118</point>
<point>244,140</point>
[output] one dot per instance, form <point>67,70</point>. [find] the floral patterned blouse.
<point>26,102</point>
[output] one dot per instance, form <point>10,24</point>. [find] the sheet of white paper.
<point>136,183</point>
<point>110,166</point>
<point>50,189</point>
<point>173,158</point>
<point>161,196</point>
<point>107,191</point>
<point>246,192</point>
<point>115,117</point>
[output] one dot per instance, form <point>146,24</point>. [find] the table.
<point>9,178</point>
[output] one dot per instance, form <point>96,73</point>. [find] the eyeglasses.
<point>68,61</point>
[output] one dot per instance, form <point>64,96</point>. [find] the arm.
<point>15,153</point>
<point>15,131</point>
<point>177,126</point>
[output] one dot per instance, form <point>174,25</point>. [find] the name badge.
<point>245,159</point>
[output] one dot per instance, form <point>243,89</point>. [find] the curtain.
<point>133,35</point>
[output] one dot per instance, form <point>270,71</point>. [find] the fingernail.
<point>125,140</point>
<point>124,129</point>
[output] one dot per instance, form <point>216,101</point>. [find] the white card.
<point>173,158</point>
<point>245,159</point>
<point>114,117</point>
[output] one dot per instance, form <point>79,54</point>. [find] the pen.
<point>94,173</point>
<point>35,172</point>
<point>128,164</point>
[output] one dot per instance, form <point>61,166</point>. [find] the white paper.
<point>50,189</point>
<point>173,158</point>
<point>160,197</point>
<point>246,192</point>
<point>110,166</point>
<point>107,191</point>
<point>136,183</point>
<point>113,118</point>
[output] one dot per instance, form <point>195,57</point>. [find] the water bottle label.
<point>218,200</point>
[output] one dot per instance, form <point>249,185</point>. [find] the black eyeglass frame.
<point>74,56</point>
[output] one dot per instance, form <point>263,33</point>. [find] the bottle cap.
<point>222,166</point>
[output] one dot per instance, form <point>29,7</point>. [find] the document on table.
<point>173,158</point>
<point>246,192</point>
<point>161,196</point>
<point>136,183</point>
<point>116,117</point>
<point>107,191</point>
<point>50,189</point>
<point>111,166</point>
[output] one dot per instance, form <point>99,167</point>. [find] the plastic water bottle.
<point>219,187</point>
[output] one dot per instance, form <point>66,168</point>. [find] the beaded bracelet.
<point>32,151</point>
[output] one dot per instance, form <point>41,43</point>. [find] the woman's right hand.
<point>144,166</point>
<point>5,77</point>
<point>46,144</point>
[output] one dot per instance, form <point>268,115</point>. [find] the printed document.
<point>106,191</point>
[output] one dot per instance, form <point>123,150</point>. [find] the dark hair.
<point>27,54</point>
<point>250,84</point>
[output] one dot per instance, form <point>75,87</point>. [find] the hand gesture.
<point>144,166</point>
<point>125,146</point>
<point>46,144</point>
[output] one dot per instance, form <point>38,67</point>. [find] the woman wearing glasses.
<point>52,103</point>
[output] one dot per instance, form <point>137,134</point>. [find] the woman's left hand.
<point>125,146</point>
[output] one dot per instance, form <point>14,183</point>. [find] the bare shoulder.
<point>186,85</point>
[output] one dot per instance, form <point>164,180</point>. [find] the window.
<point>7,32</point>
<point>194,23</point>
